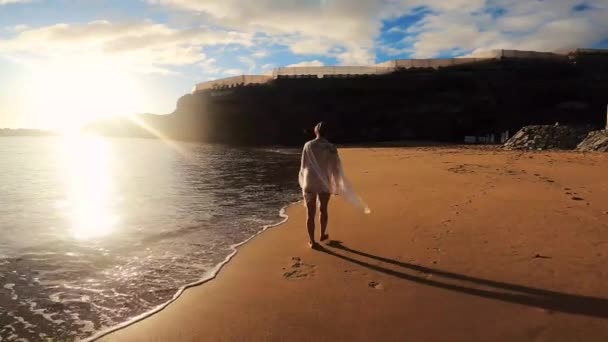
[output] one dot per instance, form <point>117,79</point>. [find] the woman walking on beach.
<point>321,176</point>
<point>319,172</point>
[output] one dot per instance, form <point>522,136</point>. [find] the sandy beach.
<point>463,244</point>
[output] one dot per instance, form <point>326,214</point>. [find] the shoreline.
<point>468,243</point>
<point>209,276</point>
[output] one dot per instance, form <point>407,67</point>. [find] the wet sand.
<point>463,244</point>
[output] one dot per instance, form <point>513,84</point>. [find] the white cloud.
<point>20,28</point>
<point>311,46</point>
<point>397,29</point>
<point>267,67</point>
<point>144,46</point>
<point>345,30</point>
<point>260,54</point>
<point>209,68</point>
<point>307,27</point>
<point>249,62</point>
<point>391,51</point>
<point>232,72</point>
<point>318,27</point>
<point>525,25</point>
<point>307,64</point>
<point>14,29</point>
<point>7,2</point>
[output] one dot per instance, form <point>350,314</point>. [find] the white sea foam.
<point>208,276</point>
<point>27,325</point>
<point>43,313</point>
<point>178,223</point>
<point>11,287</point>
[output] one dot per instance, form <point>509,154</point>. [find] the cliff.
<point>445,104</point>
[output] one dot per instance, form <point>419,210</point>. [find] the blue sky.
<point>128,56</point>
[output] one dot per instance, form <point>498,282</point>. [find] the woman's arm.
<point>302,164</point>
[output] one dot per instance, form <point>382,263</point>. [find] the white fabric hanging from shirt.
<point>321,172</point>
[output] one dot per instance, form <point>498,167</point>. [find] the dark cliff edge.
<point>423,104</point>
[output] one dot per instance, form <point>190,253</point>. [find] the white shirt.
<point>320,167</point>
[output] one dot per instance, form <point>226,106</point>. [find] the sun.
<point>68,95</point>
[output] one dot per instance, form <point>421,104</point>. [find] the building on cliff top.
<point>391,66</point>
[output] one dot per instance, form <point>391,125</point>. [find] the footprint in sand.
<point>460,169</point>
<point>545,178</point>
<point>577,198</point>
<point>375,285</point>
<point>299,269</point>
<point>540,256</point>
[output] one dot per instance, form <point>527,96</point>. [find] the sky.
<point>66,62</point>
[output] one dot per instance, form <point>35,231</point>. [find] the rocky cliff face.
<point>444,104</point>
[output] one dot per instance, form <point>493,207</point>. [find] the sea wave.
<point>177,223</point>
<point>210,275</point>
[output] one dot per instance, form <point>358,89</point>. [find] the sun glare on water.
<point>69,95</point>
<point>86,170</point>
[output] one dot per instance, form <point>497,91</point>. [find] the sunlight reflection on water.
<point>98,230</point>
<point>86,169</point>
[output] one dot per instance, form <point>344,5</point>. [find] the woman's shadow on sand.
<point>512,293</point>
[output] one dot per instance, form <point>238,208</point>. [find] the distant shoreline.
<point>24,132</point>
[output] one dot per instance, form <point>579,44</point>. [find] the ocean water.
<point>96,231</point>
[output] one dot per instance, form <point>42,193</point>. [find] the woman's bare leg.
<point>324,199</point>
<point>311,206</point>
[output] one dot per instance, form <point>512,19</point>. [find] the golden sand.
<point>463,244</point>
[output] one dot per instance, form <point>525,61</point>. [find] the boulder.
<point>544,137</point>
<point>595,141</point>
